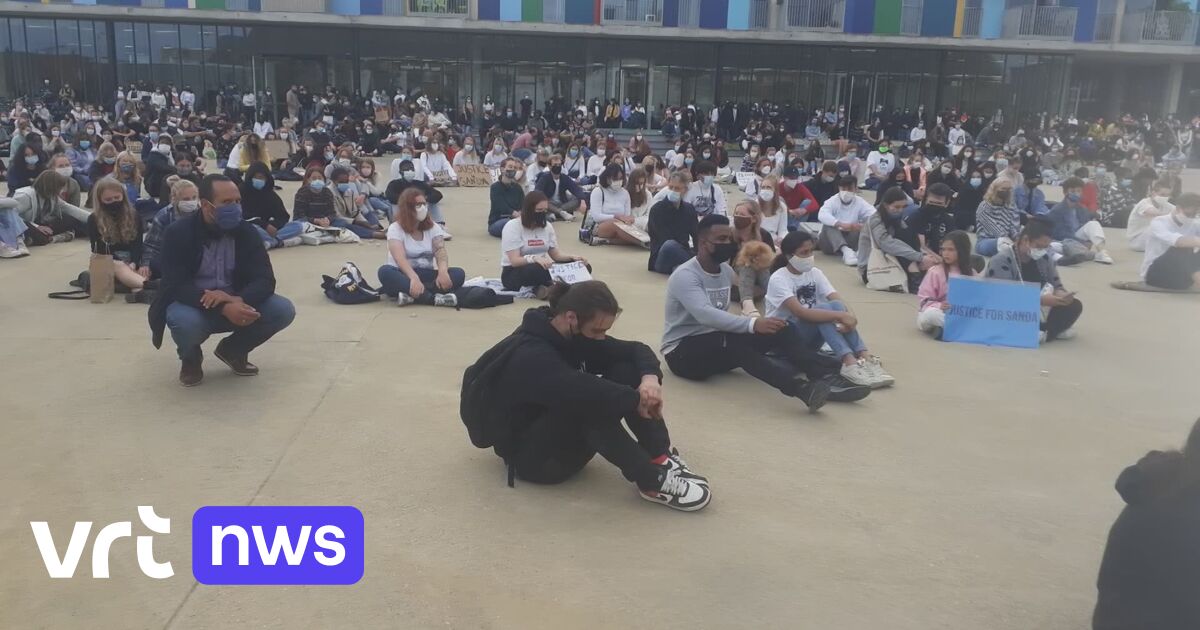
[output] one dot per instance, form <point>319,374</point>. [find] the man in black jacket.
<point>565,195</point>
<point>672,227</point>
<point>563,390</point>
<point>217,278</point>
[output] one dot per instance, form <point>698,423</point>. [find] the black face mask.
<point>113,208</point>
<point>539,219</point>
<point>556,169</point>
<point>724,252</point>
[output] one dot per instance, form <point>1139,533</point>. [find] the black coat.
<point>668,222</point>
<point>1150,574</point>
<point>549,372</point>
<point>182,248</point>
<point>262,207</point>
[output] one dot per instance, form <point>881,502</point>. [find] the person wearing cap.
<point>880,163</point>
<point>801,204</point>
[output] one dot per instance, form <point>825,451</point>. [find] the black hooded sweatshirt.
<point>1150,574</point>
<point>262,207</point>
<point>549,372</point>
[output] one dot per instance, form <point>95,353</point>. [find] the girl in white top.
<point>655,181</point>
<point>496,156</point>
<point>595,164</point>
<point>575,164</point>
<point>801,294</point>
<point>468,155</point>
<point>640,198</point>
<point>774,210</point>
<point>423,173</point>
<point>610,205</point>
<point>436,162</point>
<point>418,266</point>
<point>1156,205</point>
<point>529,247</point>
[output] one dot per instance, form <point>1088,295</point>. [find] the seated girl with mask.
<point>418,266</point>
<point>1029,260</point>
<point>529,247</point>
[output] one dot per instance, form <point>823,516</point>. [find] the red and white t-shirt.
<point>530,241</point>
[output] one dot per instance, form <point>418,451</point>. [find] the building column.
<point>1174,88</point>
<point>773,11</point>
<point>1118,21</point>
<point>477,82</point>
<point>1116,93</point>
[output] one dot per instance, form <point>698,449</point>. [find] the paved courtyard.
<point>977,493</point>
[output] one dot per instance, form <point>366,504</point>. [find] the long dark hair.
<point>962,245</point>
<point>586,299</point>
<point>788,246</point>
<point>890,196</point>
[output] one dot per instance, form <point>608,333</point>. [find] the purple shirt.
<point>216,266</point>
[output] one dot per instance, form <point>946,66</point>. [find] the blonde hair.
<point>178,187</point>
<point>775,203</point>
<point>126,156</point>
<point>106,148</point>
<point>991,197</point>
<point>255,153</point>
<point>121,228</point>
<point>755,218</point>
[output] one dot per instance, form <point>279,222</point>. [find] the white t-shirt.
<point>1139,220</point>
<point>809,288</point>
<point>530,241</point>
<point>607,204</point>
<point>418,251</point>
<point>1161,237</point>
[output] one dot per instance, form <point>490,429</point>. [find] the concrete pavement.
<point>977,493</point>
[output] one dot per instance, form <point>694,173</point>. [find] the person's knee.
<point>279,310</point>
<point>833,305</point>
<point>185,320</point>
<point>625,373</point>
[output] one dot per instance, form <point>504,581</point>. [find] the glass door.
<point>633,83</point>
<point>278,73</point>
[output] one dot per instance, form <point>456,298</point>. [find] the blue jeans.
<point>291,229</point>
<point>812,334</point>
<point>671,255</point>
<point>361,230</point>
<point>394,282</point>
<point>381,205</point>
<point>987,246</point>
<point>498,226</point>
<point>191,326</point>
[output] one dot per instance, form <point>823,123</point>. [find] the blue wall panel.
<point>991,19</point>
<point>738,15</point>
<point>937,18</point>
<point>714,13</point>
<point>344,7</point>
<point>489,9</point>
<point>860,16</point>
<point>580,12</point>
<point>510,10</point>
<point>1085,22</point>
<point>671,13</point>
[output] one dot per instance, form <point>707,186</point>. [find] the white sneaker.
<point>404,299</point>
<point>1055,256</point>
<point>11,252</point>
<point>882,378</point>
<point>1066,334</point>
<point>291,242</point>
<point>445,299</point>
<point>311,238</point>
<point>1041,337</point>
<point>678,492</point>
<point>849,257</point>
<point>1103,257</point>
<point>859,374</point>
<point>446,236</point>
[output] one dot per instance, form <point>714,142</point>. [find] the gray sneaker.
<point>291,242</point>
<point>445,299</point>
<point>882,378</point>
<point>404,299</point>
<point>859,374</point>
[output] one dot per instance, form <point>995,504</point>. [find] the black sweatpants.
<point>1061,318</point>
<point>61,225</point>
<point>698,357</point>
<point>513,278</point>
<point>1174,270</point>
<point>560,442</point>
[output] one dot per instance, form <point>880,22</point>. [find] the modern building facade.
<point>1090,57</point>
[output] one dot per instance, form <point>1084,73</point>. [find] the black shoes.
<point>191,373</point>
<point>236,362</point>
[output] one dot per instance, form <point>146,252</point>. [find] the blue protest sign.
<point>993,313</point>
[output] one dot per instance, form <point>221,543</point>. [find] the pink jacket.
<point>935,287</point>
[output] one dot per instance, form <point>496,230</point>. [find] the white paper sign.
<point>570,273</point>
<point>744,179</point>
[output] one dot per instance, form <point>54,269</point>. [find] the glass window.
<point>191,58</point>
<point>212,77</point>
<point>141,48</point>
<point>164,53</point>
<point>70,70</point>
<point>125,54</point>
<point>6,60</point>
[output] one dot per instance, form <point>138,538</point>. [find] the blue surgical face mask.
<point>317,185</point>
<point>708,180</point>
<point>258,184</point>
<point>672,196</point>
<point>976,182</point>
<point>1074,197</point>
<point>229,216</point>
<point>31,159</point>
<point>85,144</point>
<point>153,135</point>
<point>343,187</point>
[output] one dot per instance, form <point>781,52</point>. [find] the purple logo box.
<point>277,544</point>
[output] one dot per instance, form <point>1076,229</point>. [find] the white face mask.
<point>846,196</point>
<point>766,194</point>
<point>65,171</point>
<point>422,212</point>
<point>802,265</point>
<point>1038,254</point>
<point>1184,221</point>
<point>189,206</point>
<point>764,171</point>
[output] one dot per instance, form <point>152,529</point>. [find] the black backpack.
<point>350,287</point>
<point>488,426</point>
<point>480,297</point>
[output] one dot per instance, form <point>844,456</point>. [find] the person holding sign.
<point>956,261</point>
<point>1029,261</point>
<point>801,294</point>
<point>529,246</point>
